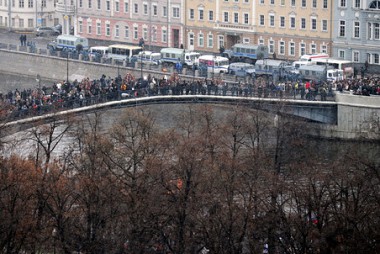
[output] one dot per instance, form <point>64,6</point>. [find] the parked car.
<point>58,28</point>
<point>46,31</point>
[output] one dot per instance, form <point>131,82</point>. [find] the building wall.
<point>357,31</point>
<point>158,22</point>
<point>291,29</point>
<point>25,15</point>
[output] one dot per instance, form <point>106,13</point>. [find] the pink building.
<point>158,22</point>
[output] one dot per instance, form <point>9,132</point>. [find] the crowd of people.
<point>87,92</point>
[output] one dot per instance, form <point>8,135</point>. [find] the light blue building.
<point>356,32</point>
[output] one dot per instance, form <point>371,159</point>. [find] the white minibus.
<point>99,51</point>
<point>68,42</point>
<point>123,52</point>
<point>215,64</point>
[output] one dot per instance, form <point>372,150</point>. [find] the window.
<point>30,3</point>
<point>292,48</point>
<point>262,2</point>
<point>342,28</point>
<point>313,48</point>
<point>355,56</point>
<point>175,12</point>
<point>21,23</point>
<point>43,3</point>
<point>303,3</point>
<point>282,21</point>
<point>30,22</point>
<point>145,9</point>
<point>200,40</point>
<point>136,8</point>
<point>117,6</point>
<point>108,5</point>
<point>164,12</point>
<point>314,4</point>
<point>271,46</point>
<point>89,27</point>
<point>220,41</point>
<point>272,2</point>
<point>293,3</point>
<point>99,4</point>
<point>324,25</point>
<point>303,23</point>
<point>271,20</point>
<point>325,4</point>
<point>154,33</point>
<point>302,49</point>
<point>292,22</point>
<point>377,31</point>
<point>324,49</point>
<point>236,17</point>
<point>201,16</point>
<point>376,59</point>
<point>282,2</point>
<point>313,24</point>
<point>135,32</point>
<point>246,18</point>
<point>126,31</point>
<point>282,48</point>
<point>80,26</point>
<point>342,3</point>
<point>126,7</point>
<point>357,4</point>
<point>191,14</point>
<point>108,30</point>
<point>211,15</point>
<point>210,41</point>
<point>191,39</point>
<point>98,28</point>
<point>225,16</point>
<point>89,4</point>
<point>374,4</point>
<point>356,29</point>
<point>341,53</point>
<point>164,36</point>
<point>262,20</point>
<point>145,33</point>
<point>155,10</point>
<point>21,3</point>
<point>117,31</point>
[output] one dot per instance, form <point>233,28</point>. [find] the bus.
<point>320,73</point>
<point>68,42</point>
<point>123,52</point>
<point>99,52</point>
<point>172,56</point>
<point>345,65</point>
<point>215,64</point>
<point>244,52</point>
<point>311,57</point>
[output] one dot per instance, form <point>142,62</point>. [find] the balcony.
<point>234,27</point>
<point>66,9</point>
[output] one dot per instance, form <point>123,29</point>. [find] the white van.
<point>147,57</point>
<point>241,69</point>
<point>215,64</point>
<point>99,51</point>
<point>174,55</point>
<point>68,42</point>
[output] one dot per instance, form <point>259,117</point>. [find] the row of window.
<point>21,3</point>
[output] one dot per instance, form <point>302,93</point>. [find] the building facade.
<point>158,22</point>
<point>356,33</point>
<point>25,15</point>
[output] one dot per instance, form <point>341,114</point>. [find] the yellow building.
<point>212,24</point>
<point>291,28</point>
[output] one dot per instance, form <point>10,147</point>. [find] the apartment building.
<point>211,25</point>
<point>356,34</point>
<point>158,22</point>
<point>25,15</point>
<point>291,28</point>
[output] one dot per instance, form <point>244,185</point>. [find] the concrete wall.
<point>55,68</point>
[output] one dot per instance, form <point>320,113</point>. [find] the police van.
<point>70,42</point>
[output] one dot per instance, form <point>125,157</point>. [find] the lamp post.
<point>54,234</point>
<point>141,63</point>
<point>67,67</point>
